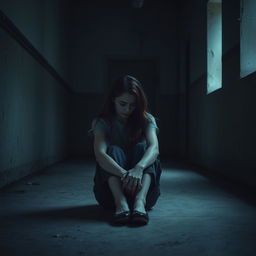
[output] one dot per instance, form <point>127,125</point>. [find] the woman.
<point>126,150</point>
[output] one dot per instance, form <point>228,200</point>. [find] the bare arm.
<point>103,159</point>
<point>152,151</point>
<point>132,181</point>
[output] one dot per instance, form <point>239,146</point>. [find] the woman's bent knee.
<point>118,154</point>
<point>114,149</point>
<point>113,179</point>
<point>140,146</point>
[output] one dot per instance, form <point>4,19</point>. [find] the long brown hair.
<point>138,119</point>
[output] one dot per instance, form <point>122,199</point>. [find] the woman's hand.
<point>132,183</point>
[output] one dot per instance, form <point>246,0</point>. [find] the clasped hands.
<point>132,180</point>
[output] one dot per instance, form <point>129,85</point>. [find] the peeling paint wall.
<point>33,105</point>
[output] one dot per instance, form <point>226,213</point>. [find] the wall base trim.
<point>9,176</point>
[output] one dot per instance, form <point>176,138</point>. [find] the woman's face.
<point>124,105</point>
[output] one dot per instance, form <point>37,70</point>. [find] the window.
<point>247,37</point>
<point>214,45</point>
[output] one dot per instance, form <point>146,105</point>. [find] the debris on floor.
<point>60,236</point>
<point>32,183</point>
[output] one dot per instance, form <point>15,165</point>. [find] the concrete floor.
<point>55,213</point>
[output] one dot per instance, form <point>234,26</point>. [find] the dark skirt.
<point>127,160</point>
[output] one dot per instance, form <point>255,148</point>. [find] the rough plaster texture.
<point>34,112</point>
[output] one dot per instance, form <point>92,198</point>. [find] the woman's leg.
<point>119,197</point>
<point>135,155</point>
<point>151,191</point>
<point>140,198</point>
<point>114,182</point>
<point>107,186</point>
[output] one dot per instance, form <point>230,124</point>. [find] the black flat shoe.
<point>139,218</point>
<point>121,218</point>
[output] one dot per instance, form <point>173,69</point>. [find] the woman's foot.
<point>122,214</point>
<point>139,205</point>
<point>121,207</point>
<point>139,218</point>
<point>121,218</point>
<point>139,214</point>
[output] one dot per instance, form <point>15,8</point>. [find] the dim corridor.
<point>54,212</point>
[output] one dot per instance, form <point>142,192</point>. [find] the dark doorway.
<point>144,70</point>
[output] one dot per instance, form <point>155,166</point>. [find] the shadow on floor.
<point>233,186</point>
<point>86,213</point>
